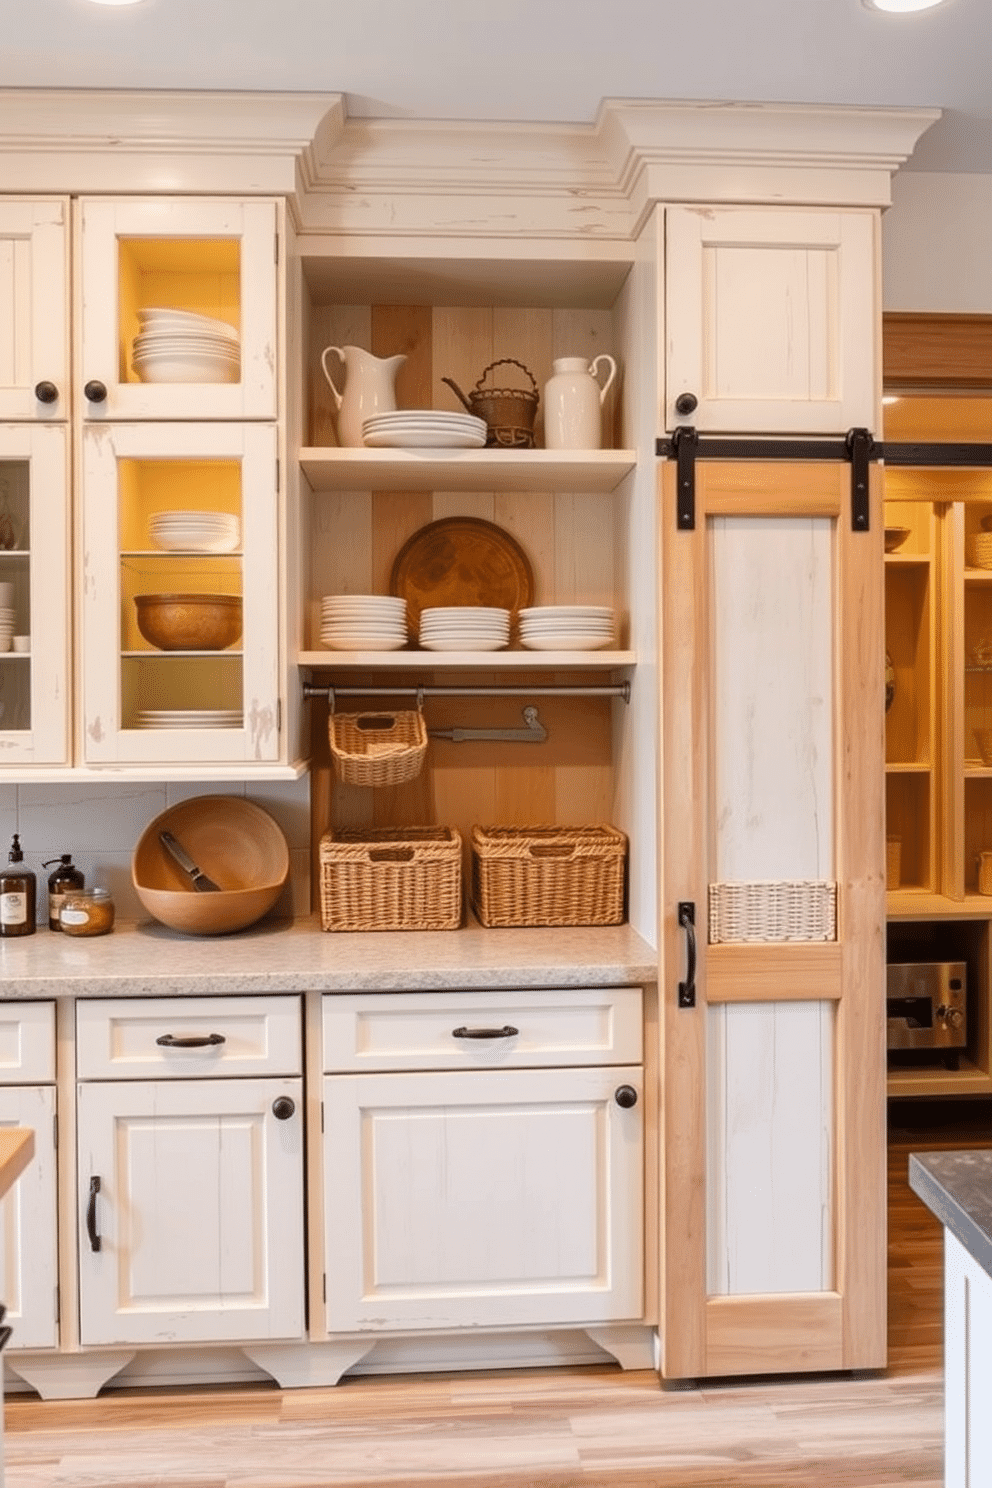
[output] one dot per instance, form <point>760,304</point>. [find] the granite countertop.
<point>149,960</point>
<point>957,1186</point>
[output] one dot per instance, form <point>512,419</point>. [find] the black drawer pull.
<point>91,1229</point>
<point>507,1031</point>
<point>191,1041</point>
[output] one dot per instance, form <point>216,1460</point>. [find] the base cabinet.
<point>29,1261</point>
<point>967,1368</point>
<point>489,1195</point>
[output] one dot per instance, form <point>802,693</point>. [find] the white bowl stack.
<point>567,627</point>
<point>362,622</point>
<point>180,718</point>
<point>464,628</point>
<point>195,531</point>
<point>181,346</point>
<point>427,428</point>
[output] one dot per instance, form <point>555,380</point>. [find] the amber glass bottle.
<point>18,887</point>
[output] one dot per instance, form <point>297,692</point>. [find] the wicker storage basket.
<point>777,909</point>
<point>979,550</point>
<point>893,862</point>
<point>377,748</point>
<point>391,878</point>
<point>548,875</point>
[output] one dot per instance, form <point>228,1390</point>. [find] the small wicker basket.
<point>979,550</point>
<point>391,878</point>
<point>985,872</point>
<point>893,862</point>
<point>773,910</point>
<point>983,738</point>
<point>524,876</point>
<point>509,412</point>
<point>377,748</point>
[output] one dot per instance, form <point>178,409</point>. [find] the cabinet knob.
<point>46,392</point>
<point>95,392</point>
<point>686,403</point>
<point>283,1107</point>
<point>626,1096</point>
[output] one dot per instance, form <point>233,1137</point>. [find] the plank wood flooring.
<point>566,1428</point>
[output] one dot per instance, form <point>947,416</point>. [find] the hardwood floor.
<point>545,1429</point>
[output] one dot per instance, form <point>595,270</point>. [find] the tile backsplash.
<point>100,826</point>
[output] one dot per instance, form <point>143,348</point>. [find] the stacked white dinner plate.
<point>464,628</point>
<point>181,346</point>
<point>567,627</point>
<point>363,622</point>
<point>195,531</point>
<point>424,428</point>
<point>179,718</point>
<point>7,618</point>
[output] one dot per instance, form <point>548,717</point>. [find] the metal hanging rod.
<point>619,690</point>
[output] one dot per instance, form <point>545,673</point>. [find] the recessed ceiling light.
<point>127,2</point>
<point>902,6</point>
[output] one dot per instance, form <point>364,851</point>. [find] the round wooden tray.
<point>461,561</point>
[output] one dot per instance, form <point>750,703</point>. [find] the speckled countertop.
<point>957,1186</point>
<point>148,960</point>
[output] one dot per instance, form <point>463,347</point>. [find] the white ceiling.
<point>536,60</point>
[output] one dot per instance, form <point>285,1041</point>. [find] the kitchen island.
<point>957,1187</point>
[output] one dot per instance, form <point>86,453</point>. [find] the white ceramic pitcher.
<point>369,388</point>
<point>573,399</point>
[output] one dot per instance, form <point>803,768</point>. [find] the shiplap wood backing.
<point>561,1428</point>
<point>571,539</point>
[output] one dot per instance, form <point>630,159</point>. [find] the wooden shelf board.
<point>968,1080</point>
<point>476,661</point>
<point>920,904</point>
<point>906,767</point>
<point>581,471</point>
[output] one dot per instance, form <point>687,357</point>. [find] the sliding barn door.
<point>773,1150</point>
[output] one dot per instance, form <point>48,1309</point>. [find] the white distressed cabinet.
<point>190,1171</point>
<point>34,309</point>
<point>28,1213</point>
<point>483,1160</point>
<point>771,319</point>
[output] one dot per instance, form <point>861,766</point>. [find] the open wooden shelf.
<point>580,471</point>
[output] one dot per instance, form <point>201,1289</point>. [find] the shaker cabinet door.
<point>29,1271</point>
<point>34,310</point>
<point>190,1211</point>
<point>770,319</point>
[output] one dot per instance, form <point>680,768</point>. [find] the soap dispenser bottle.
<point>65,879</point>
<point>17,894</point>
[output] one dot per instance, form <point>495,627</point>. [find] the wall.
<point>937,244</point>
<point>100,825</point>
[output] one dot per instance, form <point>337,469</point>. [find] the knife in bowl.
<point>201,882</point>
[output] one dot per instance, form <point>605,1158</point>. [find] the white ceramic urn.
<point>573,401</point>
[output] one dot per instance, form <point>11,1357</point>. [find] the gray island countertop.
<point>957,1187</point>
<point>149,960</point>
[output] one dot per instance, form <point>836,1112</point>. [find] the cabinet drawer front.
<point>203,1037</point>
<point>483,1030</point>
<point>27,1043</point>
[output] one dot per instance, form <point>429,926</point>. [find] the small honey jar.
<point>87,912</point>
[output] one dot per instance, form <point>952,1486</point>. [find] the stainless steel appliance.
<point>927,1005</point>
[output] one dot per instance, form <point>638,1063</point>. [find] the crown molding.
<point>149,140</point>
<point>410,179</point>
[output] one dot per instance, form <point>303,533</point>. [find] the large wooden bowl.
<point>234,842</point>
<point>189,622</point>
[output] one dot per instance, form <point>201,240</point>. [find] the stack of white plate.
<point>424,428</point>
<point>567,627</point>
<point>195,531</point>
<point>180,718</point>
<point>6,627</point>
<point>181,346</point>
<point>363,622</point>
<point>464,628</point>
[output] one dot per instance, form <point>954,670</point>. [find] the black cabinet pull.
<point>686,403</point>
<point>46,392</point>
<point>283,1107</point>
<point>189,1041</point>
<point>507,1031</point>
<point>687,920</point>
<point>91,1229</point>
<point>95,392</point>
<point>626,1096</point>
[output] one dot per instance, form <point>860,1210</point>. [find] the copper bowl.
<point>189,622</point>
<point>234,842</point>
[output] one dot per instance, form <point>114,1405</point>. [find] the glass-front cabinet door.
<point>180,618</point>
<point>34,589</point>
<point>179,308</point>
<point>34,309</point>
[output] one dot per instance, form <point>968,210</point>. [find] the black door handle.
<point>507,1031</point>
<point>687,920</point>
<point>190,1041</point>
<point>91,1229</point>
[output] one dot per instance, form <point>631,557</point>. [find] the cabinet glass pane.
<point>15,596</point>
<point>195,277</point>
<point>180,531</point>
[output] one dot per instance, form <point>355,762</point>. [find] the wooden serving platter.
<point>461,561</point>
